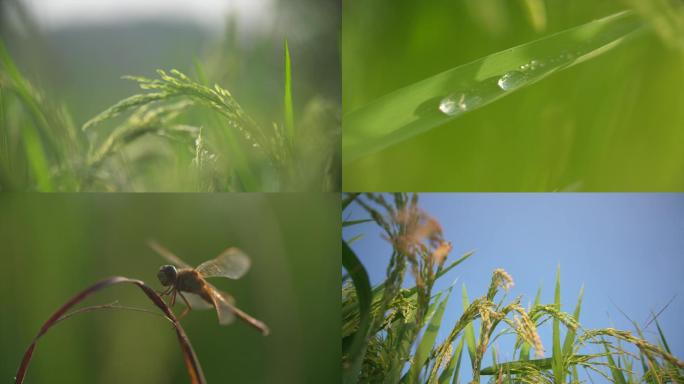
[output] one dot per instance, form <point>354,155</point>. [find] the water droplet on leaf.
<point>511,80</point>
<point>455,104</point>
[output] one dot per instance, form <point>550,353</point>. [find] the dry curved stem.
<point>111,306</point>
<point>190,358</point>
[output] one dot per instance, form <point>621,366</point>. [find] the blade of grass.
<point>454,366</point>
<point>33,145</point>
<point>428,341</point>
<point>662,335</point>
<point>615,371</point>
<point>350,223</point>
<point>357,347</point>
<point>35,154</point>
<point>557,358</point>
<point>287,98</point>
<point>519,366</point>
<point>469,332</point>
<point>414,109</point>
<point>570,336</point>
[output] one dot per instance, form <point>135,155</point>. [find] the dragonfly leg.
<point>165,292</point>
<point>187,308</point>
<point>172,301</point>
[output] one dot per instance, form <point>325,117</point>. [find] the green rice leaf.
<point>519,366</point>
<point>662,335</point>
<point>287,99</point>
<point>428,340</point>
<point>37,159</point>
<point>429,103</point>
<point>615,371</point>
<point>570,336</point>
<point>469,332</point>
<point>557,358</point>
<point>355,222</point>
<point>356,349</point>
<point>454,366</point>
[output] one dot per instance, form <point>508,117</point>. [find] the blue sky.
<point>626,249</point>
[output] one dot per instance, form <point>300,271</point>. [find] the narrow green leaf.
<point>662,335</point>
<point>428,340</point>
<point>348,199</point>
<point>570,336</point>
<point>557,358</point>
<point>615,371</point>
<point>519,366</point>
<point>349,223</point>
<point>36,157</point>
<point>354,239</point>
<point>356,350</point>
<point>415,109</point>
<point>287,98</point>
<point>453,367</point>
<point>469,332</point>
<point>458,363</point>
<point>199,71</point>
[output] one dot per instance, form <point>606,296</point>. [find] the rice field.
<point>390,330</point>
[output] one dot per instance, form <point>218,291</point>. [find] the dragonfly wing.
<point>168,255</point>
<point>195,301</point>
<point>232,263</point>
<point>224,308</point>
<point>227,311</point>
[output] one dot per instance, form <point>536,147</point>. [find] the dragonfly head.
<point>167,275</point>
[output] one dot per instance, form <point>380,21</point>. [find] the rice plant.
<point>179,133</point>
<point>389,332</point>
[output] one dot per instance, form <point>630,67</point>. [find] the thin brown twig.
<point>190,358</point>
<point>111,306</point>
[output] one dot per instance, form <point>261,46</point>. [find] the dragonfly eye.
<point>167,275</point>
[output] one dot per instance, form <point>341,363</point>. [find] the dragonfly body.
<point>189,280</point>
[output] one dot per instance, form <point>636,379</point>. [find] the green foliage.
<point>179,134</point>
<point>398,316</point>
<point>417,108</point>
<point>579,127</point>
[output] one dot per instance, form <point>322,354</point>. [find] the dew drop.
<point>455,104</point>
<point>511,80</point>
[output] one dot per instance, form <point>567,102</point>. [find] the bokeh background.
<point>53,246</point>
<point>627,250</point>
<point>79,49</point>
<point>610,124</point>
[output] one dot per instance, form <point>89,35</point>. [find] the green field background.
<point>53,246</point>
<point>614,123</point>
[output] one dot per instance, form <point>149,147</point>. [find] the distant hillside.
<point>72,60</point>
<point>96,57</point>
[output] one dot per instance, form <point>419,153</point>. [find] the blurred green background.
<point>614,123</point>
<point>53,246</point>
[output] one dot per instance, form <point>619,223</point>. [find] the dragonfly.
<point>180,279</point>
